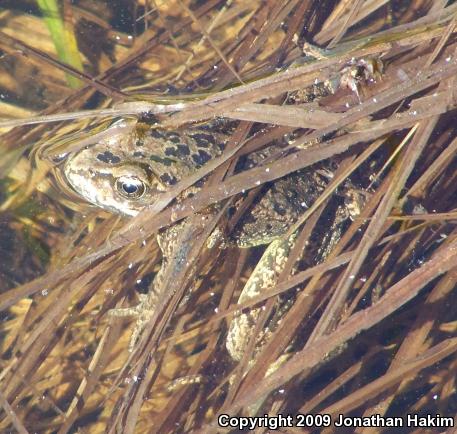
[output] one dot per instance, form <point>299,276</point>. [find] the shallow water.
<point>64,265</point>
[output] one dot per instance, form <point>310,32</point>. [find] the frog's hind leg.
<point>324,238</point>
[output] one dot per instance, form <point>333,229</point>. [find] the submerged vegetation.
<point>372,327</point>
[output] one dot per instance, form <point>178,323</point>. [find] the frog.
<point>124,173</point>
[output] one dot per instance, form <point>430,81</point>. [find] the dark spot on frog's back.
<point>203,140</point>
<point>108,157</point>
<point>279,209</point>
<point>171,152</point>
<point>173,137</point>
<point>167,179</point>
<point>138,154</point>
<point>183,150</point>
<point>155,133</point>
<point>178,151</point>
<point>201,158</point>
<point>164,161</point>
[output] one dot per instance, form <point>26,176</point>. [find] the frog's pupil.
<point>129,188</point>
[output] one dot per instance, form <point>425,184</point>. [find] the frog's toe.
<point>142,312</point>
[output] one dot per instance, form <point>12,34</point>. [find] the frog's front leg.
<point>143,311</point>
<point>180,244</point>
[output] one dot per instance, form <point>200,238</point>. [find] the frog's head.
<point>110,174</point>
<point>128,166</point>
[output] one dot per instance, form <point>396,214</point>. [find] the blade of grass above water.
<point>63,38</point>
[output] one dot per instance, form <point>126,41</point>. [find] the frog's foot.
<point>310,51</point>
<point>130,311</point>
<point>354,201</point>
<point>359,73</point>
<point>143,312</point>
<point>187,380</point>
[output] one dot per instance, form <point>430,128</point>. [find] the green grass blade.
<point>63,38</point>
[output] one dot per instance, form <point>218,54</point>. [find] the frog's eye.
<point>130,187</point>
